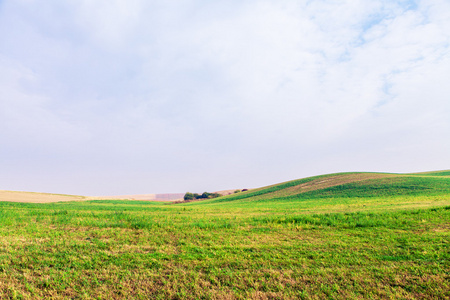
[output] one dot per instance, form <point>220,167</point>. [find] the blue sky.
<point>129,97</point>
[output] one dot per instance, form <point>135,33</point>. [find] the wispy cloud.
<point>151,96</point>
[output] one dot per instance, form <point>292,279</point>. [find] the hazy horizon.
<point>140,97</point>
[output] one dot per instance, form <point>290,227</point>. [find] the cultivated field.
<point>30,197</point>
<point>337,236</point>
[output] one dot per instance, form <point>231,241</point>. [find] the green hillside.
<point>335,236</point>
<point>348,185</point>
<point>434,173</point>
<point>342,192</point>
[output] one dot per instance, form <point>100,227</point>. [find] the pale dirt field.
<point>227,192</point>
<point>31,197</point>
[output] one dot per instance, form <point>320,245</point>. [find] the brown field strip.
<point>31,197</point>
<point>323,183</point>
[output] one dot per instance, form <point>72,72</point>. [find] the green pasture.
<point>382,238</point>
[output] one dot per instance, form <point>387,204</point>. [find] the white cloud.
<point>244,92</point>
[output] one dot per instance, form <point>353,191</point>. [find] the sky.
<point>114,97</point>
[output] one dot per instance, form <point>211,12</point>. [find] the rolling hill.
<point>338,185</point>
<point>355,184</point>
<point>335,236</point>
<point>32,197</point>
<point>347,192</point>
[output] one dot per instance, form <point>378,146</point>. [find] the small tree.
<point>188,196</point>
<point>205,195</point>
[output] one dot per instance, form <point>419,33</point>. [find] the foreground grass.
<point>350,242</point>
<point>85,250</point>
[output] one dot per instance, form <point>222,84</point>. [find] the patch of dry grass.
<point>32,197</point>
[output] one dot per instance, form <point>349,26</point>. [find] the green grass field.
<point>337,236</point>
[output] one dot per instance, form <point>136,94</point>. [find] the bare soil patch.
<point>31,197</point>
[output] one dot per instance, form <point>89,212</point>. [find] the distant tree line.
<point>205,195</point>
<point>238,191</point>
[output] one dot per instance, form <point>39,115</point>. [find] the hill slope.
<point>361,188</point>
<point>32,197</point>
<point>337,236</point>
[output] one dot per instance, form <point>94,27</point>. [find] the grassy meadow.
<point>336,236</point>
